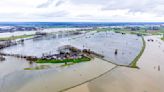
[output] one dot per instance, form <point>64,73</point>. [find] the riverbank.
<point>149,78</point>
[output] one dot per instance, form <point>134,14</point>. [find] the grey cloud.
<point>46,4</point>
<point>60,2</point>
<point>89,1</point>
<point>54,14</point>
<point>133,6</point>
<point>50,2</point>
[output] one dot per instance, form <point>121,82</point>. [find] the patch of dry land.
<point>149,78</point>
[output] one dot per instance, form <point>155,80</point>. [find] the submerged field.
<point>104,43</point>
<point>56,76</point>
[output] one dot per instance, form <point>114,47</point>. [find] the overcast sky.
<point>82,10</point>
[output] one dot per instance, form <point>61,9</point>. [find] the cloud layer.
<point>82,10</point>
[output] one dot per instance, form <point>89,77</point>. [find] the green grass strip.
<point>83,59</point>
<point>134,62</point>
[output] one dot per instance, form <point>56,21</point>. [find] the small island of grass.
<point>78,60</point>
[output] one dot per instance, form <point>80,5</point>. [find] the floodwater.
<point>13,77</point>
<point>149,78</point>
<point>50,30</point>
<point>104,43</point>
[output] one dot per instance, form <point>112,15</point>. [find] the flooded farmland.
<point>104,43</point>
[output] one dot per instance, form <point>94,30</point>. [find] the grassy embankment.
<point>83,59</point>
<point>162,38</point>
<point>162,30</point>
<point>16,37</point>
<point>134,62</point>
